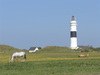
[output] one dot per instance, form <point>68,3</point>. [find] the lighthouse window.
<point>73,34</point>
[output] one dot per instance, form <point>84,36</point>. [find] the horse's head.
<point>10,60</point>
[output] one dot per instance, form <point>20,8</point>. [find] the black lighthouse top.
<point>73,18</point>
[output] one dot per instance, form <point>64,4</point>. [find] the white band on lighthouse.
<point>73,33</point>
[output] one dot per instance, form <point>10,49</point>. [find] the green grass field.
<point>52,61</point>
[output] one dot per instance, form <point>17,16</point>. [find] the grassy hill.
<point>48,49</point>
<point>55,49</point>
<point>51,60</point>
<point>7,49</point>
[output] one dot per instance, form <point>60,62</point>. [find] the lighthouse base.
<point>73,43</point>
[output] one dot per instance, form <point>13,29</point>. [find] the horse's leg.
<point>23,59</point>
<point>16,59</point>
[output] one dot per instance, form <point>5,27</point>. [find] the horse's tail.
<point>25,56</point>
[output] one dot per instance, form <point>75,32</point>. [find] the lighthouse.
<point>73,33</point>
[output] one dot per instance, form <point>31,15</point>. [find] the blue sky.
<point>26,23</point>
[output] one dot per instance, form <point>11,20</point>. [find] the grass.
<point>7,49</point>
<point>59,67</point>
<point>52,61</point>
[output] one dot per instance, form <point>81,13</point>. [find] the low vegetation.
<point>51,60</point>
<point>7,49</point>
<point>58,67</point>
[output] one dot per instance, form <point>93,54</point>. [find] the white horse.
<point>16,55</point>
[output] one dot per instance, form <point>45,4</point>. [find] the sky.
<point>41,23</point>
